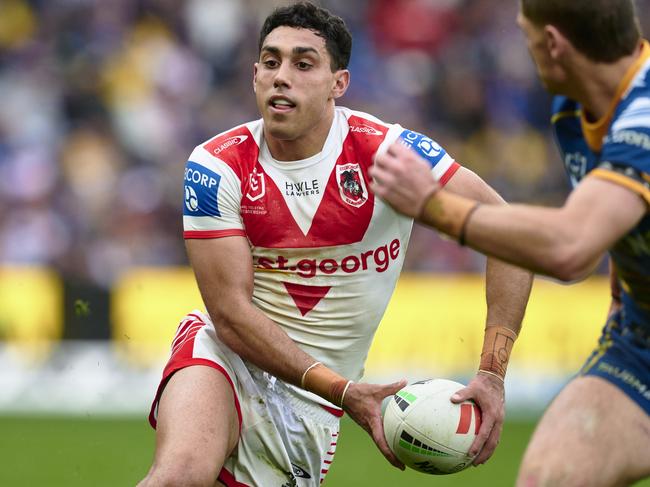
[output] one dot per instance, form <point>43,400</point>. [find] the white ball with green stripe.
<point>428,432</point>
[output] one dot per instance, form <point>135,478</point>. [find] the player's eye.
<point>303,65</point>
<point>271,63</point>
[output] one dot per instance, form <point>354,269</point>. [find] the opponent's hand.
<point>488,392</point>
<point>363,403</point>
<point>403,179</point>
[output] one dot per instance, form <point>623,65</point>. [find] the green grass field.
<point>112,452</point>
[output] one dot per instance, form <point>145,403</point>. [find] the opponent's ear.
<point>341,83</point>
<point>255,77</point>
<point>556,43</point>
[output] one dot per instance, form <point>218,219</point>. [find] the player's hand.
<point>488,392</point>
<point>403,179</point>
<point>363,404</point>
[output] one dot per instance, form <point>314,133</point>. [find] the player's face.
<point>294,84</point>
<point>537,46</point>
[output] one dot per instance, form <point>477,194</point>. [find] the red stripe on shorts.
<point>336,412</point>
<point>182,356</point>
<point>228,479</point>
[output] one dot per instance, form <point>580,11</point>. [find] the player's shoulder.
<point>633,111</point>
<point>363,124</point>
<point>237,148</point>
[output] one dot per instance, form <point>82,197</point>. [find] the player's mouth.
<point>281,104</point>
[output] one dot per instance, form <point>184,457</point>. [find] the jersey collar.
<point>594,132</point>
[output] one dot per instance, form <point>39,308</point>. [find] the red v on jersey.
<point>306,297</point>
<point>344,212</point>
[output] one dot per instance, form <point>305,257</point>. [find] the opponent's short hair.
<point>306,15</point>
<point>603,30</point>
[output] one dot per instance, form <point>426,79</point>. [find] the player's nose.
<point>282,76</point>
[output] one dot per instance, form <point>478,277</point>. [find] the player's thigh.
<point>197,420</point>
<point>591,435</point>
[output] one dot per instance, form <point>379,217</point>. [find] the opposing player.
<point>296,260</point>
<point>590,52</point>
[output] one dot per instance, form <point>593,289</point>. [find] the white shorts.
<point>284,440</point>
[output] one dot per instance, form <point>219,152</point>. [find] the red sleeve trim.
<point>235,232</point>
<point>450,172</point>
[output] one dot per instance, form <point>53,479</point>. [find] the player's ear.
<point>556,42</point>
<point>341,83</point>
<point>255,77</point>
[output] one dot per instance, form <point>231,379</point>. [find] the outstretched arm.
<point>223,269</point>
<point>565,243</point>
<point>507,291</point>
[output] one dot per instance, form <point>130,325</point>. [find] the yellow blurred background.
<point>434,323</point>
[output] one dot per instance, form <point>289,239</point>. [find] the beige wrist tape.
<point>447,212</point>
<point>326,383</point>
<point>497,345</point>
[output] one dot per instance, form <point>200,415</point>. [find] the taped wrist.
<point>326,383</point>
<point>447,212</point>
<point>497,345</point>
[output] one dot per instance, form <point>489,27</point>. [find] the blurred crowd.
<point>101,102</point>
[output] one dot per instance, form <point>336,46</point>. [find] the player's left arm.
<point>507,291</point>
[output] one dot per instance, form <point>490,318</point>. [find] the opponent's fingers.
<point>377,434</point>
<point>378,175</point>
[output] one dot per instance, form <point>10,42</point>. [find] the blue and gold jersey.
<point>617,148</point>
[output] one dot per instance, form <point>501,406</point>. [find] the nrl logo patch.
<point>352,187</point>
<point>257,187</point>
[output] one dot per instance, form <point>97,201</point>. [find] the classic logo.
<point>352,187</point>
<point>257,186</point>
<point>191,200</point>
<point>365,129</point>
<point>229,142</point>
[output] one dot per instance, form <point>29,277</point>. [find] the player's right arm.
<point>223,270</point>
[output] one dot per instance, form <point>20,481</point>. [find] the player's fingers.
<point>377,433</point>
<point>462,395</point>
<point>489,446</point>
<point>484,432</point>
<point>390,389</point>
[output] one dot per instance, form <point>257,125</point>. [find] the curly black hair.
<point>306,15</point>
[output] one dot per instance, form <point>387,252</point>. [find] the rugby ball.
<point>428,432</point>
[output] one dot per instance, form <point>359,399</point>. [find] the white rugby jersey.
<point>326,252</point>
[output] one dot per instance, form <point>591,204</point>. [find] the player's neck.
<point>598,84</point>
<point>303,147</point>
